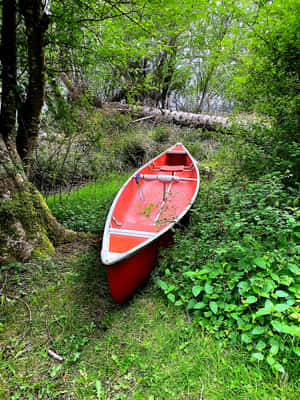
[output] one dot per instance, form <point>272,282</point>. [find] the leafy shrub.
<point>162,134</point>
<point>235,269</point>
<point>135,149</point>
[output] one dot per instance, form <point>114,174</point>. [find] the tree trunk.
<point>29,116</point>
<point>27,227</point>
<point>9,72</point>
<point>181,118</point>
<point>68,81</point>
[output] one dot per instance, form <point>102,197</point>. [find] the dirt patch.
<point>73,249</point>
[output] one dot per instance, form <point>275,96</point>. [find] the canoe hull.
<point>125,277</point>
<point>148,205</point>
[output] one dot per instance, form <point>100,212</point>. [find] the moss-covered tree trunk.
<point>27,227</point>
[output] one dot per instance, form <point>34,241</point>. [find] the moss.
<point>44,248</point>
<point>24,226</point>
<point>29,229</point>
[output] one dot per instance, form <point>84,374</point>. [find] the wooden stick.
<point>142,119</point>
<point>54,355</point>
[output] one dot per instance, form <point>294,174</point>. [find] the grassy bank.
<point>144,349</point>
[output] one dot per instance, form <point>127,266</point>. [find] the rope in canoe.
<point>140,189</point>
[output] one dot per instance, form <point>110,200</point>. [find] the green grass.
<point>85,208</point>
<point>144,349</point>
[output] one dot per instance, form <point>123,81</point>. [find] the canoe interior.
<point>145,208</point>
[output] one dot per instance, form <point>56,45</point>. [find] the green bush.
<point>235,269</point>
<point>162,134</point>
<point>135,149</point>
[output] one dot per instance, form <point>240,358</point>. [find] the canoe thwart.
<point>165,178</point>
<point>153,199</point>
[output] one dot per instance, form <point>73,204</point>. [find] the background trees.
<point>268,72</point>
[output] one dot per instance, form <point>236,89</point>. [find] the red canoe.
<point>152,200</point>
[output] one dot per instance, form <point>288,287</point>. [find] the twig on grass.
<point>50,338</point>
<point>10,296</point>
<point>54,355</point>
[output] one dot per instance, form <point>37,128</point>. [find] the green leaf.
<point>284,328</point>
<point>199,306</point>
<point>281,307</point>
<point>270,360</point>
<point>261,345</point>
<point>191,304</point>
<point>296,350</point>
<point>263,311</point>
<point>258,330</point>
<point>251,299</point>
<point>293,268</point>
<point>286,280</point>
<point>208,288</point>
<point>243,285</point>
<point>260,262</point>
<point>171,297</point>
<point>245,338</point>
<point>55,370</point>
<point>279,367</point>
<point>281,293</point>
<point>214,307</point>
<point>274,347</point>
<point>196,290</point>
<point>257,356</point>
<point>162,285</point>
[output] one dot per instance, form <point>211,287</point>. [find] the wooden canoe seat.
<point>172,168</point>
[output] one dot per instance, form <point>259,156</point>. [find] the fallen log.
<point>210,122</point>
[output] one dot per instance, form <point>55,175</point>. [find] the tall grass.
<point>85,208</point>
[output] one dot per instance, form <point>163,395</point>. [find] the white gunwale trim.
<point>122,256</point>
<point>129,232</point>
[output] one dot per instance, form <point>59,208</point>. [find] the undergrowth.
<point>235,269</point>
